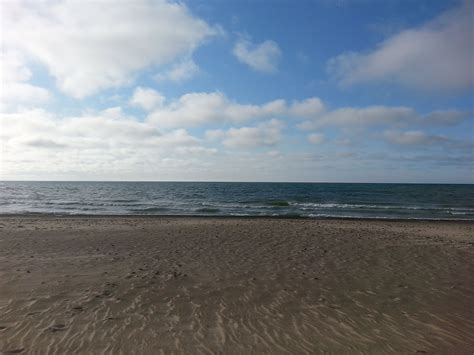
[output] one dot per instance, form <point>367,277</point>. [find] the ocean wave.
<point>207,210</point>
<point>322,215</point>
<point>149,209</point>
<point>231,214</point>
<point>278,203</point>
<point>124,200</point>
<point>310,205</point>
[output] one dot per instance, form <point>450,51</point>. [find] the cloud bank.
<point>109,143</point>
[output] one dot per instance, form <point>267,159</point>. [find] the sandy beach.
<point>150,285</point>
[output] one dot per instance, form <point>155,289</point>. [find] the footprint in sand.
<point>57,328</point>
<point>13,351</point>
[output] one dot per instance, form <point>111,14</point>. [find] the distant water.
<point>316,200</point>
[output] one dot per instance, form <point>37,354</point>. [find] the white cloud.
<point>109,127</point>
<point>316,138</point>
<point>261,57</point>
<point>360,117</point>
<point>106,141</point>
<point>357,117</point>
<point>195,109</point>
<point>306,108</point>
<point>214,134</point>
<point>196,151</point>
<point>147,98</point>
<point>14,87</point>
<point>413,138</point>
<point>101,44</point>
<point>447,117</point>
<point>435,56</point>
<point>265,134</point>
<point>181,71</point>
<point>274,154</point>
<point>110,145</point>
<point>114,145</point>
<point>202,108</point>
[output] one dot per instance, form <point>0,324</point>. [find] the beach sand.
<point>150,285</point>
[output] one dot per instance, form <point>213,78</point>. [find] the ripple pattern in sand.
<point>150,286</point>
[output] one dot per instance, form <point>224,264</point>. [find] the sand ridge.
<point>112,285</point>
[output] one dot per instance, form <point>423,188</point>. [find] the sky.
<point>274,90</point>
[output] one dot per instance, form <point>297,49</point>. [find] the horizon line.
<point>249,182</point>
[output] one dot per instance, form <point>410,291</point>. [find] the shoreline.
<point>235,285</point>
<point>250,217</point>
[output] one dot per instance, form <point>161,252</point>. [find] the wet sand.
<point>113,285</point>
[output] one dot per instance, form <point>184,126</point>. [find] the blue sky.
<point>363,91</point>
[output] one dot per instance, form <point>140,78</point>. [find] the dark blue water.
<point>411,201</point>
